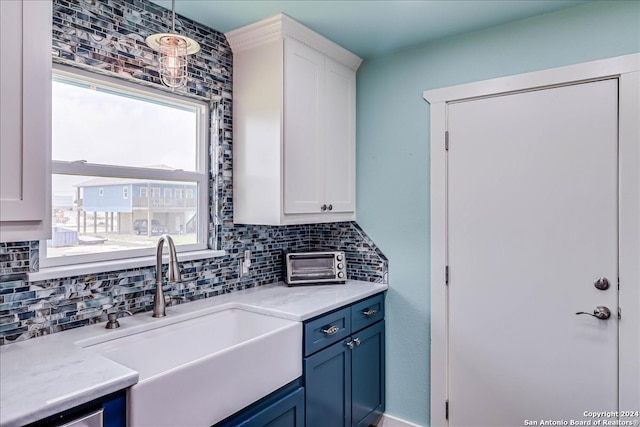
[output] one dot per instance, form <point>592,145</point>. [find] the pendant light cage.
<point>173,50</point>
<point>173,61</point>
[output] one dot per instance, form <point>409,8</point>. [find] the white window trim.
<point>200,177</point>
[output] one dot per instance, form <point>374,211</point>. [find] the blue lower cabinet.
<point>328,386</point>
<point>282,408</point>
<point>286,412</point>
<point>345,382</point>
<point>367,376</point>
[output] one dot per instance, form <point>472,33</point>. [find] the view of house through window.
<point>123,159</point>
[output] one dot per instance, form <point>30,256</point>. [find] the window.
<point>178,193</point>
<point>189,194</point>
<point>112,140</point>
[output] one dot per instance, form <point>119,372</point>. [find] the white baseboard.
<point>391,421</point>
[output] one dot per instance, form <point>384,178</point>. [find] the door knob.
<point>601,312</point>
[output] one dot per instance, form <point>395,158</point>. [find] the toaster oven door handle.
<point>331,330</point>
<point>311,256</point>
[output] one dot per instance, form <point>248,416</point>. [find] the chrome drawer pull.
<point>331,330</point>
<point>357,341</point>
<point>370,312</point>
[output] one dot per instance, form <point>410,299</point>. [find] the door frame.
<point>627,69</point>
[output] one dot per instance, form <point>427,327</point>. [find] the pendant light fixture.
<point>173,50</point>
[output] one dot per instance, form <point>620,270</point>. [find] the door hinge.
<point>446,140</point>
<point>446,275</point>
<point>446,410</point>
<point>619,313</point>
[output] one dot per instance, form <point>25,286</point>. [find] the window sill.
<point>115,265</point>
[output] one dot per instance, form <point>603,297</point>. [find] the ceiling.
<point>371,28</point>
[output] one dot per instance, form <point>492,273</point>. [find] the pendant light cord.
<point>173,16</point>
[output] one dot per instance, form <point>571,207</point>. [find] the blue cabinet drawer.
<point>367,312</point>
<point>326,330</point>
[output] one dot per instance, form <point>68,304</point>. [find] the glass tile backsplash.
<point>107,36</point>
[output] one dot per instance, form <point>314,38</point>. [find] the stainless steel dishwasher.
<point>93,419</point>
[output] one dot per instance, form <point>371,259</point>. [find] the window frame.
<point>200,176</point>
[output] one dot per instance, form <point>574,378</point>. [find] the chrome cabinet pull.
<point>370,312</point>
<point>354,342</point>
<point>332,330</point>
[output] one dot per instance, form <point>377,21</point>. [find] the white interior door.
<point>532,222</point>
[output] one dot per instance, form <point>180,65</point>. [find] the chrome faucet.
<point>159,304</point>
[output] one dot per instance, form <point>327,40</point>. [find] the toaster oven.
<point>311,268</point>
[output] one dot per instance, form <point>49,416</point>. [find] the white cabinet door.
<point>339,138</point>
<point>303,154</point>
<point>25,119</point>
<point>319,137</point>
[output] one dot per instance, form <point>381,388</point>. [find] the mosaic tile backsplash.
<point>107,36</point>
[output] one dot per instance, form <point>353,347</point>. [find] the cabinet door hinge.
<point>446,275</point>
<point>446,140</point>
<point>446,410</point>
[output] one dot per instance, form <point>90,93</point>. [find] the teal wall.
<point>393,154</point>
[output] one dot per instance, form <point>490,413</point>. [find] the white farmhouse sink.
<point>198,371</point>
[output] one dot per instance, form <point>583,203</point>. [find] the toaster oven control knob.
<point>340,266</point>
<point>340,275</point>
<point>339,257</point>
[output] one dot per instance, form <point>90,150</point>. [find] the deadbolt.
<point>601,283</point>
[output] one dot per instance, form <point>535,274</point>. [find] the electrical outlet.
<point>245,263</point>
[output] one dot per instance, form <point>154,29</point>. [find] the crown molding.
<point>280,27</point>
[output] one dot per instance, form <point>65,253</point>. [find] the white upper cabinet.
<point>293,125</point>
<point>25,120</point>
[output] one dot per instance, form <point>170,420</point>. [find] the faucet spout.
<point>159,304</point>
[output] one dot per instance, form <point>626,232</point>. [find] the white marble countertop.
<point>44,376</point>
